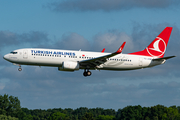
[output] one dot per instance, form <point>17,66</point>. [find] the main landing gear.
<point>87,72</point>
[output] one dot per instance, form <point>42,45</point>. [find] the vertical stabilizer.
<point>158,46</point>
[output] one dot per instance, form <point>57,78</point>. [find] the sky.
<point>89,26</point>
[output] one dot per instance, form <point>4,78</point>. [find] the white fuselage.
<point>55,58</point>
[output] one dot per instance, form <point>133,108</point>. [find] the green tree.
<point>58,116</point>
<point>88,116</point>
<point>4,117</point>
<point>105,117</point>
<point>172,113</point>
<point>178,107</point>
<point>131,113</point>
<point>28,117</point>
<point>9,105</point>
<point>157,112</point>
<point>164,117</point>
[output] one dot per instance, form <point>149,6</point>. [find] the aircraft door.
<point>140,61</point>
<point>25,54</point>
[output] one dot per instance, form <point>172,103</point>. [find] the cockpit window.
<point>13,52</point>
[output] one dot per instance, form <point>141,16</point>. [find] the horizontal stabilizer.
<point>164,58</point>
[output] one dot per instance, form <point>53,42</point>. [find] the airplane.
<point>70,60</point>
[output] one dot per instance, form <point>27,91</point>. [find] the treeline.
<point>10,109</point>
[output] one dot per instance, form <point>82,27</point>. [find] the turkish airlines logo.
<point>157,48</point>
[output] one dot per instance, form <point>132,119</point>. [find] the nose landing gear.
<point>19,69</point>
<point>87,73</point>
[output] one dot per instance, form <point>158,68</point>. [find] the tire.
<point>19,69</point>
<point>89,73</point>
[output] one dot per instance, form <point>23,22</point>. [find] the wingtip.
<point>103,50</point>
<point>170,28</point>
<point>120,48</point>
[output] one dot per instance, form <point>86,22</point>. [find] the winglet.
<point>103,50</point>
<point>120,49</point>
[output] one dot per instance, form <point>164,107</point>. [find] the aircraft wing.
<point>95,62</point>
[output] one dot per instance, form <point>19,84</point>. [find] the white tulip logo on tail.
<point>157,48</point>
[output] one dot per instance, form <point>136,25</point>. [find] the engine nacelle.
<point>69,66</point>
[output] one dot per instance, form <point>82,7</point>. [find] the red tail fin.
<point>158,46</point>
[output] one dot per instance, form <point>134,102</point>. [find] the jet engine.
<point>69,66</point>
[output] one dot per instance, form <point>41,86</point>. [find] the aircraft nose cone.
<point>6,57</point>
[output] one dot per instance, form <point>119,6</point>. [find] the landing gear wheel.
<point>20,69</point>
<point>87,73</point>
